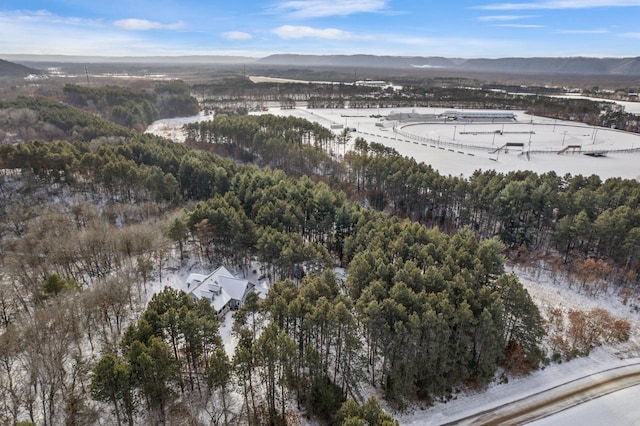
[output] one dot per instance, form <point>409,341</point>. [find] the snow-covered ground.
<point>631,107</point>
<point>460,159</point>
<point>452,157</point>
<point>618,408</point>
<point>171,128</point>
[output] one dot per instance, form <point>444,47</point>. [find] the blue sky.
<point>452,28</point>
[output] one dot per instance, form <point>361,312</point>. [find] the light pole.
<point>454,132</point>
<point>563,137</point>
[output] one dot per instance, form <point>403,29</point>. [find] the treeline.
<point>455,94</point>
<point>293,144</point>
<point>45,119</point>
<point>134,108</point>
<point>111,170</point>
<point>243,88</point>
<point>577,216</point>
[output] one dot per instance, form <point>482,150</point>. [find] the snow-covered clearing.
<point>176,277</point>
<point>171,128</point>
<point>631,107</point>
<point>454,156</point>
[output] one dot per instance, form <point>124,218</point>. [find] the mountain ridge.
<point>11,69</point>
<point>573,65</point>
<point>528,65</point>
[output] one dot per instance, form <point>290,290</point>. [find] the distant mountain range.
<point>567,66</point>
<point>191,59</point>
<point>10,69</point>
<point>573,65</point>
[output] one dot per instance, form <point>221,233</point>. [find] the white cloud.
<point>145,25</point>
<point>561,4</point>
<point>46,17</point>
<point>326,8</point>
<point>520,26</point>
<point>502,18</point>
<point>291,32</point>
<point>236,35</point>
<point>583,31</point>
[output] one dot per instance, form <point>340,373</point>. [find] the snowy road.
<point>556,399</point>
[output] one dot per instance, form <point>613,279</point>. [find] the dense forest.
<point>93,213</point>
<point>133,108</point>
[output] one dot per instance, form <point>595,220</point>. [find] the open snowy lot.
<point>458,149</point>
<point>452,148</point>
<point>171,128</point>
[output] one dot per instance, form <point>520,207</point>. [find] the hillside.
<point>573,65</point>
<point>369,61</point>
<point>11,69</point>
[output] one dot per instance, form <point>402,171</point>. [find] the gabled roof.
<point>219,287</point>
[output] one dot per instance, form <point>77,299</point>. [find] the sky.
<point>453,28</point>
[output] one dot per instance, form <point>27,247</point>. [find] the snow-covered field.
<point>460,160</point>
<point>632,107</point>
<point>456,158</point>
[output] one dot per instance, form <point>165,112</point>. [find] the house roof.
<point>219,287</point>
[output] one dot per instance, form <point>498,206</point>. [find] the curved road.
<point>558,398</point>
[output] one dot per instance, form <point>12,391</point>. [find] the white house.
<point>221,288</point>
